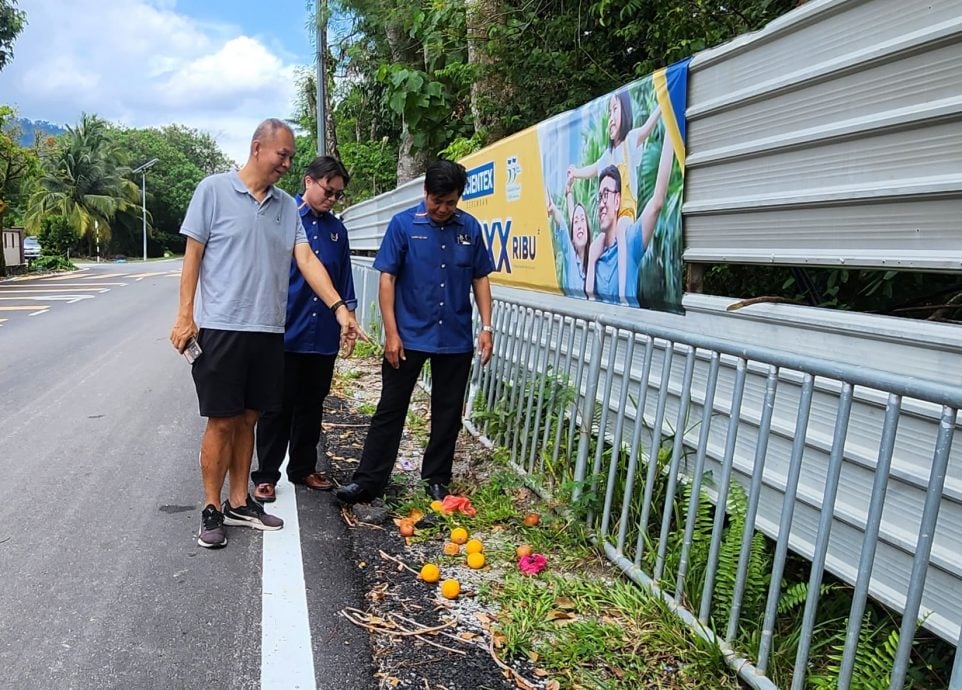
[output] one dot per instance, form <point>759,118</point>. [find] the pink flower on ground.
<point>533,564</point>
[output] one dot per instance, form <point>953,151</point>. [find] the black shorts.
<point>238,371</point>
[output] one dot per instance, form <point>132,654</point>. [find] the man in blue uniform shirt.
<point>311,341</point>
<point>431,258</point>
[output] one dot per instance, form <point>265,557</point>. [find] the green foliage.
<point>19,170</point>
<point>372,166</point>
<point>85,180</point>
<point>589,630</point>
<point>463,146</point>
<point>184,157</point>
<point>12,22</point>
<point>56,235</point>
<point>882,292</point>
<point>51,263</point>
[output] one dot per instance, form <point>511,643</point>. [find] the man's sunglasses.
<point>338,194</point>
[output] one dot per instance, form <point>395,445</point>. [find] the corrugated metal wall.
<point>832,137</point>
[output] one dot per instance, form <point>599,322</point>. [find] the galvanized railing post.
<point>870,539</point>
<point>588,411</point>
<point>755,492</point>
<point>923,547</point>
<point>823,534</point>
<point>708,589</point>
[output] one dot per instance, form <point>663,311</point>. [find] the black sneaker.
<point>211,534</point>
<point>251,515</point>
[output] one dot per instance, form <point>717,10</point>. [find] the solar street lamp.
<point>143,195</point>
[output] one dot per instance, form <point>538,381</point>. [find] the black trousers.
<point>307,381</point>
<point>449,374</point>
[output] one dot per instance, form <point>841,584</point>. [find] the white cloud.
<point>140,63</point>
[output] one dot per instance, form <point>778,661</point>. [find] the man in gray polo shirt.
<point>241,233</point>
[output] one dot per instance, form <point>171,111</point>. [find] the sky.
<point>220,66</point>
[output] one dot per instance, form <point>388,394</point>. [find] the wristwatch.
<point>487,328</point>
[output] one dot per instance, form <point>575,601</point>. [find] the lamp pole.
<point>143,195</point>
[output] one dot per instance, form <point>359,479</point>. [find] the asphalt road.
<point>102,584</point>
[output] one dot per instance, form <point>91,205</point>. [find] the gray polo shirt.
<point>248,247</point>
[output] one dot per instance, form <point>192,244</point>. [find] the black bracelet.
<point>337,305</point>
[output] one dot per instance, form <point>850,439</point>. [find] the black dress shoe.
<point>353,493</point>
<point>437,492</point>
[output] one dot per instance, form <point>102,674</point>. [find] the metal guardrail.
<point>563,389</point>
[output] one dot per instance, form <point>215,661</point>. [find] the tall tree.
<point>85,180</point>
<point>483,20</point>
<point>12,22</point>
<point>18,168</point>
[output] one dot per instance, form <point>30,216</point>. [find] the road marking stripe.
<point>38,313</point>
<point>69,276</point>
<point>287,655</point>
<point>25,308</point>
<point>141,276</point>
<point>22,291</point>
<point>84,284</point>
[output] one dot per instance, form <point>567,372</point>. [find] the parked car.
<point>31,248</point>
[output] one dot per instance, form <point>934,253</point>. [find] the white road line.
<point>38,313</point>
<point>287,656</point>
<point>17,290</point>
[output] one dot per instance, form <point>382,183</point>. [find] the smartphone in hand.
<point>192,351</point>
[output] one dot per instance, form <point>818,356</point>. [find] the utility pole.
<point>320,25</point>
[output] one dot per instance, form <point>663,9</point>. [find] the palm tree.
<point>85,181</point>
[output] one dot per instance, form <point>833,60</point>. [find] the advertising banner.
<point>588,203</point>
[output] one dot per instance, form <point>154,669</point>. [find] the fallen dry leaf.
<point>483,618</point>
<point>541,673</point>
<point>565,603</point>
<point>534,656</point>
<point>552,685</point>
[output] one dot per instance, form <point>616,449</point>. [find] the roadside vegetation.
<point>579,622</point>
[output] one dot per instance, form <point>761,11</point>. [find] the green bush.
<point>51,263</point>
<point>56,235</point>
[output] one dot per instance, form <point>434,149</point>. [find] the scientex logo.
<point>480,182</point>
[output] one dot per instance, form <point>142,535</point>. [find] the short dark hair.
<point>612,172</point>
<point>326,167</point>
<point>444,176</point>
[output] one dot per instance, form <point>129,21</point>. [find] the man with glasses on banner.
<point>311,341</point>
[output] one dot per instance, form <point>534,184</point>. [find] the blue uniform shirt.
<point>434,267</point>
<point>311,327</point>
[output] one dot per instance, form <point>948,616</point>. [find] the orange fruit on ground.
<point>406,528</point>
<point>451,549</point>
<point>523,550</point>
<point>459,535</point>
<point>450,589</point>
<point>437,506</point>
<point>430,573</point>
<point>475,560</point>
<point>474,546</point>
<point>532,519</point>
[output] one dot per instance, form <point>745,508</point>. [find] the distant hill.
<point>28,129</point>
